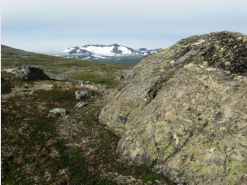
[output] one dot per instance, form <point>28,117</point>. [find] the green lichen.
<point>196,153</point>
<point>196,165</point>
<point>158,137</point>
<point>161,147</point>
<point>203,171</point>
<point>168,151</point>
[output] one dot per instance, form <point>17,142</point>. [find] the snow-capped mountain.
<point>108,53</point>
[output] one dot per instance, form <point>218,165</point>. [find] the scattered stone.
<point>83,94</point>
<point>90,87</point>
<point>59,77</point>
<point>95,87</point>
<point>72,80</point>
<point>57,112</point>
<point>81,104</point>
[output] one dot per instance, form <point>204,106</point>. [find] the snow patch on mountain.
<point>108,53</point>
<point>109,50</point>
<point>68,50</point>
<point>125,51</point>
<point>105,51</point>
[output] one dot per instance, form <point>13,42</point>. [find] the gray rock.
<point>184,110</point>
<point>30,73</point>
<point>57,112</point>
<point>83,94</point>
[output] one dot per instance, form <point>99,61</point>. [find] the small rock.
<point>57,112</point>
<point>83,94</point>
<point>28,85</point>
<point>120,77</point>
<point>90,87</point>
<point>81,104</point>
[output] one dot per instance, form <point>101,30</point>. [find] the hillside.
<point>40,147</point>
<point>62,68</point>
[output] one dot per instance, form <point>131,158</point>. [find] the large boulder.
<point>184,110</point>
<point>28,73</point>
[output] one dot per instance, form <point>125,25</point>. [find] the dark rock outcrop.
<point>184,110</point>
<point>28,73</point>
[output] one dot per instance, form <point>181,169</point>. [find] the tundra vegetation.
<point>37,148</point>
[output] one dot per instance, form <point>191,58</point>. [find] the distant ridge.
<point>108,53</point>
<point>99,53</point>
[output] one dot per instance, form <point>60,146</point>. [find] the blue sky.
<point>57,25</point>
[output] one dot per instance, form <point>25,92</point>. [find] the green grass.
<point>74,69</point>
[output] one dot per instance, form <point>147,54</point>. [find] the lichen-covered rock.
<point>184,110</point>
<point>28,73</point>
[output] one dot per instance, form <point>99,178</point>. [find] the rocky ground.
<point>38,148</point>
